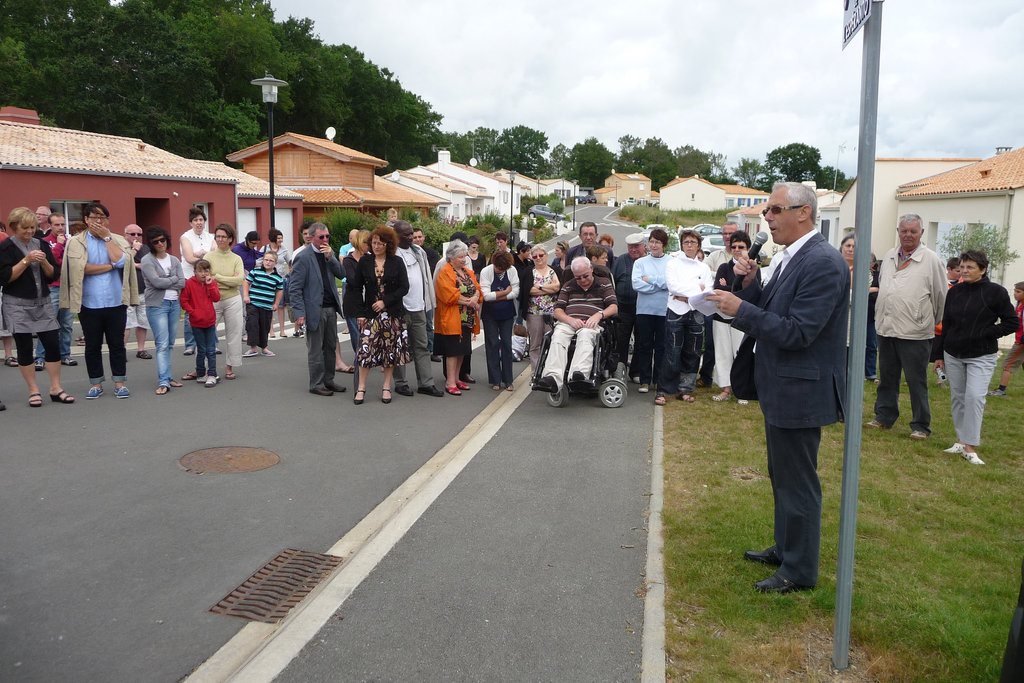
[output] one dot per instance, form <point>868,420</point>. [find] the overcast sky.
<point>738,77</point>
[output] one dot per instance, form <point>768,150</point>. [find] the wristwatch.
<point>107,238</point>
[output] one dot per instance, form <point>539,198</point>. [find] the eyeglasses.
<point>693,242</point>
<point>537,256</point>
<point>776,210</point>
<point>98,217</point>
<point>738,246</point>
<point>159,240</point>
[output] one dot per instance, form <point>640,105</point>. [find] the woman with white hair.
<point>457,316</point>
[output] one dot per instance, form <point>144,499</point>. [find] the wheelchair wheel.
<point>613,393</point>
<point>559,398</point>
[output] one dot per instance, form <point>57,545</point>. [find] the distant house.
<point>692,194</point>
<point>749,219</point>
<point>329,175</point>
<point>502,197</point>
<point>630,188</point>
<point>459,199</point>
<point>982,193</point>
<point>739,196</point>
<point>606,195</point>
<point>564,189</point>
<point>530,186</point>
<point>890,174</point>
<point>66,169</point>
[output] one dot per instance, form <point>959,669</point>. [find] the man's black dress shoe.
<point>321,392</point>
<point>430,391</point>
<point>780,585</point>
<point>404,390</point>
<point>436,358</point>
<point>768,556</point>
<point>468,379</point>
<point>336,387</point>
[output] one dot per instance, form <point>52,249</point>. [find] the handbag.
<point>742,374</point>
<point>519,330</point>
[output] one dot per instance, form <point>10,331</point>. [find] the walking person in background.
<point>198,298</point>
<point>977,313</point>
<point>165,279</point>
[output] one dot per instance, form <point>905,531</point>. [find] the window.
<point>72,209</point>
<point>641,187</point>
<point>730,203</point>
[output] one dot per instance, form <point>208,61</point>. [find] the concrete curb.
<point>653,655</point>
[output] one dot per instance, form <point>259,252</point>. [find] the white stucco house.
<point>506,197</point>
<point>693,193</point>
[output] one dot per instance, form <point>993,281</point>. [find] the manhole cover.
<point>278,586</point>
<point>228,460</point>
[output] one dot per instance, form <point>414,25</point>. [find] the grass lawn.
<point>938,549</point>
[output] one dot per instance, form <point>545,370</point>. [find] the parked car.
<point>711,243</point>
<point>586,199</point>
<point>544,212</point>
<point>708,229</point>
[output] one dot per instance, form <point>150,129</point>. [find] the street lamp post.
<point>511,199</point>
<point>575,201</point>
<point>269,84</point>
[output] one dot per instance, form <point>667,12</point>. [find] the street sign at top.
<point>855,13</point>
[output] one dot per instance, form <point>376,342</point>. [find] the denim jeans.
<point>190,340</point>
<point>498,344</point>
<point>871,352</point>
<point>65,319</point>
<point>649,335</point>
<point>684,343</point>
<point>163,320</point>
<point>206,350</point>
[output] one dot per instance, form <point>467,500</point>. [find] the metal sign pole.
<point>858,336</point>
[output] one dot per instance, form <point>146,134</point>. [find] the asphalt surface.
<point>526,567</point>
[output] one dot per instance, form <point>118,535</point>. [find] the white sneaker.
<point>200,379</point>
<point>211,380</point>
<point>956,449</point>
<point>644,389</point>
<point>973,458</point>
<point>743,402</point>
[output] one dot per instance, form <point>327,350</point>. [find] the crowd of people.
<point>405,306</point>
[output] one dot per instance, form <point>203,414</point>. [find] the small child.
<point>1015,356</point>
<point>262,290</point>
<point>197,299</point>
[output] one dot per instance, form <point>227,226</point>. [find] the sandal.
<point>495,387</point>
<point>454,391</point>
<point>62,397</point>
<point>724,396</point>
<point>686,398</point>
<point>359,396</point>
<point>162,389</point>
<point>510,388</point>
<point>189,376</point>
<point>659,400</point>
<point>10,362</point>
<point>175,383</point>
<point>385,400</point>
<point>230,375</point>
<point>35,400</point>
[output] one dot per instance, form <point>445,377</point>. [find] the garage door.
<point>246,221</point>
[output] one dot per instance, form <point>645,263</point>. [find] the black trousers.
<point>99,324</point>
<point>627,319</point>
<point>796,489</point>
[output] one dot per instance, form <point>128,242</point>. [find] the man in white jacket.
<point>911,294</point>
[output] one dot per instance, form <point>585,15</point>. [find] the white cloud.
<point>739,77</point>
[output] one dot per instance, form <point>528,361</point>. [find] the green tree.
<point>630,156</point>
<point>989,238</point>
<point>829,178</point>
<point>590,162</point>
<point>521,149</point>
<point>691,161</point>
<point>558,161</point>
<point>748,172</point>
<point>658,162</point>
<point>794,162</point>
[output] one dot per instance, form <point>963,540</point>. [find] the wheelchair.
<point>607,377</point>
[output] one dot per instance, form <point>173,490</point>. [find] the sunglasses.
<point>159,240</point>
<point>776,210</point>
<point>133,234</point>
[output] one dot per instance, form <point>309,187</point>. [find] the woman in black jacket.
<point>969,340</point>
<point>27,267</point>
<point>380,282</point>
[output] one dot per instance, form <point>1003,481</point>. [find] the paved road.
<point>113,554</point>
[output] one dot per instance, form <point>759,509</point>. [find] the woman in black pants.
<point>27,267</point>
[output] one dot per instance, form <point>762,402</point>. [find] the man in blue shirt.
<point>96,284</point>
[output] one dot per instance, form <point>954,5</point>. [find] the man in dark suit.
<point>799,319</point>
<point>314,299</point>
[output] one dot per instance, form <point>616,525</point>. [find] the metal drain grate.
<point>278,586</point>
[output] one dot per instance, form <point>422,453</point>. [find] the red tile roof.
<point>999,173</point>
<point>384,193</point>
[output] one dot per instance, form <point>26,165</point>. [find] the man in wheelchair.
<point>583,303</point>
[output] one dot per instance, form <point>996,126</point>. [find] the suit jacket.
<point>800,323</point>
<point>306,287</point>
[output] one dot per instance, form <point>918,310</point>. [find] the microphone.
<point>755,249</point>
<point>759,241</point>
